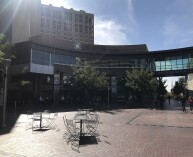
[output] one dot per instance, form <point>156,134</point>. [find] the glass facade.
<point>130,63</point>
<point>174,63</point>
<point>47,58</point>
<point>157,64</point>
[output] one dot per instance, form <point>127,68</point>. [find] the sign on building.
<point>113,85</point>
<point>56,79</point>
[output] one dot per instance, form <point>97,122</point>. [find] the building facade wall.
<point>31,19</point>
<point>67,24</point>
<point>6,7</point>
<point>189,87</point>
<point>21,21</point>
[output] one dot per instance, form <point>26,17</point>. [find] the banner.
<point>113,85</point>
<point>56,79</point>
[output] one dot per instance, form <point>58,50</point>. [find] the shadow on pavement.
<point>87,140</point>
<point>113,109</point>
<point>10,123</point>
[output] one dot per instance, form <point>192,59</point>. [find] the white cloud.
<point>131,14</point>
<point>108,32</point>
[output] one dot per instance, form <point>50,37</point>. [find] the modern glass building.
<point>51,39</point>
<point>46,65</point>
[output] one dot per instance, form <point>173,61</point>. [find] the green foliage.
<point>1,47</point>
<point>161,89</point>
<point>141,81</point>
<point>121,81</point>
<point>179,86</point>
<point>88,77</point>
<point>24,83</point>
<point>6,49</point>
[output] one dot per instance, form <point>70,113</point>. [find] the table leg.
<point>81,127</point>
<point>40,121</point>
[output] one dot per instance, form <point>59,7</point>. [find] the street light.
<point>108,95</point>
<point>6,63</point>
<point>184,88</point>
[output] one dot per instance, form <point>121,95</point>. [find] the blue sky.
<point>160,24</point>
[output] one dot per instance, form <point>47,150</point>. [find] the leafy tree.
<point>179,86</point>
<point>6,49</point>
<point>161,89</point>
<point>86,80</point>
<point>88,77</point>
<point>141,82</point>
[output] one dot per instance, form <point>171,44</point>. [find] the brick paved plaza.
<point>123,132</point>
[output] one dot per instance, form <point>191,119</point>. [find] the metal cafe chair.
<point>81,112</point>
<point>46,118</point>
<point>92,125</point>
<point>36,120</point>
<point>71,134</point>
<point>51,120</point>
<point>66,134</point>
<point>29,120</point>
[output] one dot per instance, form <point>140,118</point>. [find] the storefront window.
<point>40,57</point>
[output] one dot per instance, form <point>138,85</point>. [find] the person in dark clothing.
<point>169,97</point>
<point>41,102</point>
<point>183,101</point>
<point>161,100</point>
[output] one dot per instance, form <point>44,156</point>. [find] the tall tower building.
<point>67,24</point>
<point>6,17</point>
<point>29,18</point>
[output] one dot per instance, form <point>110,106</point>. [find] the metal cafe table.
<point>37,116</point>
<point>87,110</point>
<point>81,118</point>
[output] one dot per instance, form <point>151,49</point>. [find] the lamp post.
<point>184,88</point>
<point>108,95</point>
<point>6,65</point>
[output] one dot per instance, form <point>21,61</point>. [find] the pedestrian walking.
<point>169,97</point>
<point>161,100</point>
<point>183,102</point>
<point>190,102</point>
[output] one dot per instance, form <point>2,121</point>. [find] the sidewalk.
<point>175,105</point>
<point>123,132</point>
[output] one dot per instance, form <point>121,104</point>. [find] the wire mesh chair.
<point>92,125</point>
<point>71,134</point>
<point>51,120</point>
<point>69,122</point>
<point>46,118</point>
<point>29,120</point>
<point>36,120</point>
<point>81,112</point>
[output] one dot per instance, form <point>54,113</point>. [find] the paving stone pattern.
<point>123,133</point>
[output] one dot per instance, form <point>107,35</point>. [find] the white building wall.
<point>41,69</point>
<point>190,82</point>
<point>26,20</point>
<point>20,26</point>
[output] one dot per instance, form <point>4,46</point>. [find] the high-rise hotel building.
<point>29,18</point>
